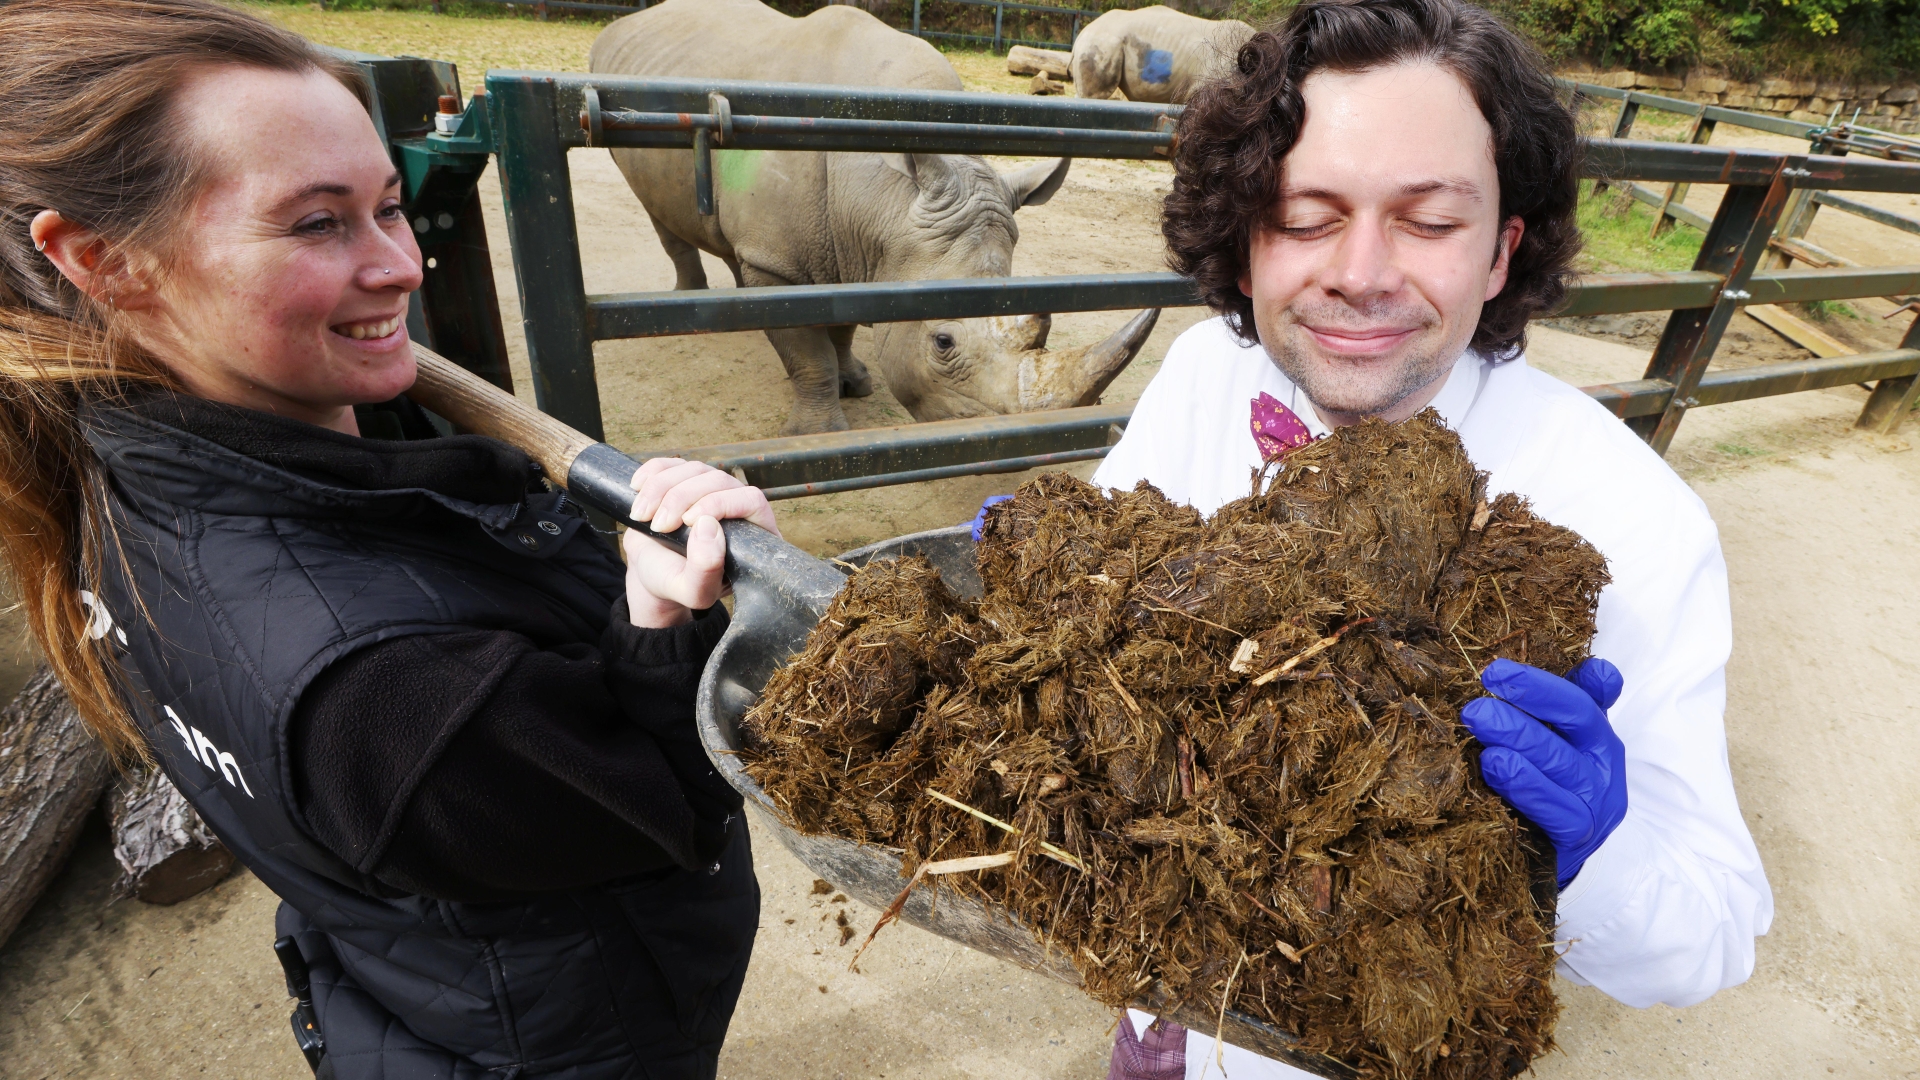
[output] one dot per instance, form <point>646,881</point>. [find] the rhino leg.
<point>813,367</point>
<point>854,380</point>
<point>688,272</point>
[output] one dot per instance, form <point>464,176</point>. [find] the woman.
<point>401,679</point>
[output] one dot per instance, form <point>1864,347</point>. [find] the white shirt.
<point>1667,909</point>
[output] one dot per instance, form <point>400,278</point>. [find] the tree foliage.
<point>1750,38</point>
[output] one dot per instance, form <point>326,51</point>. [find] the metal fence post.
<point>916,18</point>
<point>1797,220</point>
<point>999,12</point>
<point>1892,399</point>
<point>1733,247</point>
<point>1701,134</point>
<point>456,311</point>
<point>1622,127</point>
<point>537,191</point>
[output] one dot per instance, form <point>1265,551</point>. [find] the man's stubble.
<point>1342,387</point>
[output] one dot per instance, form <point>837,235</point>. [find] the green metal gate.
<point>530,121</point>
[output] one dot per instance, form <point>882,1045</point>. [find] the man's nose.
<point>1362,263</point>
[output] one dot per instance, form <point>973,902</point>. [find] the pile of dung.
<point>1246,729</point>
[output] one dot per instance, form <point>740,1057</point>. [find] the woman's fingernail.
<point>707,528</point>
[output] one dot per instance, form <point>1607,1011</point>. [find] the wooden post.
<point>52,771</point>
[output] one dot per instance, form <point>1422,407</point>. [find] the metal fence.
<point>1834,138</point>
<point>999,42</point>
<point>1788,243</point>
<point>530,121</point>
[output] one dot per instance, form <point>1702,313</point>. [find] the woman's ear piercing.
<point>39,245</point>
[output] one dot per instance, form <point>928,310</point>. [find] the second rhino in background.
<point>802,217</point>
<point>1153,54</point>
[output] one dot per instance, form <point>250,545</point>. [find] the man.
<point>1376,201</point>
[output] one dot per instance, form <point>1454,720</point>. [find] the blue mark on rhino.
<point>1158,67</point>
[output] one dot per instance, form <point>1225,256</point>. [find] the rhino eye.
<point>943,342</point>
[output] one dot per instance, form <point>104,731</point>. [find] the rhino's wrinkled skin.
<point>1153,54</point>
<point>815,218</point>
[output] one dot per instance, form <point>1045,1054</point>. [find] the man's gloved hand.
<point>980,519</point>
<point>1551,753</point>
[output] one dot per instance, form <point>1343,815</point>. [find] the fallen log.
<point>52,772</point>
<point>166,852</point>
<point>1025,60</point>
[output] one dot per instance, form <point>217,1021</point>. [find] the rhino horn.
<point>1064,378</point>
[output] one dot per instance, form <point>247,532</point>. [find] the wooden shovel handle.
<point>477,405</point>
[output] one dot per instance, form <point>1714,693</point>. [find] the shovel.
<point>780,594</point>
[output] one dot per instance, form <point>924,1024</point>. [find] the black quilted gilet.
<point>233,584</point>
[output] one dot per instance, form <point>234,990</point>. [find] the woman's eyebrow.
<point>328,188</point>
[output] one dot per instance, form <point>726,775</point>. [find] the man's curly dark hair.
<point>1237,130</point>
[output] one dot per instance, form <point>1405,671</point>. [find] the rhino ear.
<point>925,170</point>
<point>1036,183</point>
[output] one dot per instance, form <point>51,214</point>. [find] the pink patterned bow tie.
<point>1276,429</point>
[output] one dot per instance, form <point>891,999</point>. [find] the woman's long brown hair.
<point>87,130</point>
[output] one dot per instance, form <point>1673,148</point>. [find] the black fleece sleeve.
<point>475,766</point>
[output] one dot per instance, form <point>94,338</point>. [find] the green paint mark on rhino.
<point>736,169</point>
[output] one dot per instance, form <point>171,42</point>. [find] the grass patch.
<point>1827,310</point>
<point>479,37</point>
<point>475,37</point>
<point>1738,450</point>
<point>1618,232</point>
<point>984,71</point>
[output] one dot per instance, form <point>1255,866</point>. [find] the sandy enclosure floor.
<point>1821,723</point>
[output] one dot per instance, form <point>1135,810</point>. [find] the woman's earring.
<point>39,245</point>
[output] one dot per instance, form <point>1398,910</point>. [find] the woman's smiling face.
<point>286,288</point>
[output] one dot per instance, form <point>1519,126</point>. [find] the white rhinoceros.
<point>1153,54</point>
<point>793,217</point>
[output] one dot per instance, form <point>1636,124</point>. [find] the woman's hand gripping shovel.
<point>779,591</point>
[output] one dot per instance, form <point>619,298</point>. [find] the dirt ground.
<point>1821,726</point>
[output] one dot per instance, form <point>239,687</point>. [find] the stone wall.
<point>1882,105</point>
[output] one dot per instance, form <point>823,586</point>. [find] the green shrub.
<point>1835,38</point>
<point>1749,38</point>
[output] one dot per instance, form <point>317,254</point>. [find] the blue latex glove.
<point>1551,753</point>
<point>980,519</point>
